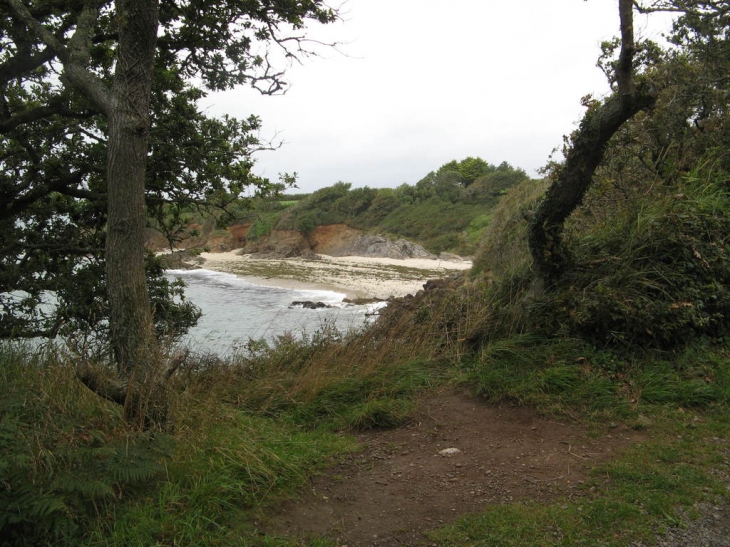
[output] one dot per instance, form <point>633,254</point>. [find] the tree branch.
<point>111,388</point>
<point>56,107</point>
<point>20,64</point>
<point>625,65</point>
<point>74,57</point>
<point>14,206</point>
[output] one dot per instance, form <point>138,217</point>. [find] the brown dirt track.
<point>400,486</point>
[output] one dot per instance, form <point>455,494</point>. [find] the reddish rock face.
<point>238,234</point>
<point>333,239</point>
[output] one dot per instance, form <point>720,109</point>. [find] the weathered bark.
<point>585,154</point>
<point>133,340</point>
<point>126,105</point>
<point>124,391</point>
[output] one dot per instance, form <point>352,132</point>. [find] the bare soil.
<point>403,484</point>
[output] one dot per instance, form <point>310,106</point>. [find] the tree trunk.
<point>140,384</point>
<point>586,152</point>
<point>134,345</point>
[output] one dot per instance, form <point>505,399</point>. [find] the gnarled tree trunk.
<point>586,152</point>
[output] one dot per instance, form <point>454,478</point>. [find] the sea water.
<point>236,311</point>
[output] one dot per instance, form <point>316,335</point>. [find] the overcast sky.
<point>422,82</point>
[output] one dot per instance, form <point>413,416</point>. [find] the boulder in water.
<point>309,305</point>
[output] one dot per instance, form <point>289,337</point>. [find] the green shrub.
<point>656,275</point>
<point>260,228</point>
<point>504,251</point>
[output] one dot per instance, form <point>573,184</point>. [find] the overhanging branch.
<point>74,57</point>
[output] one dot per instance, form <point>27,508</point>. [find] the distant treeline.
<point>446,210</point>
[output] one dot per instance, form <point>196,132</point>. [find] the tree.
<point>586,150</point>
<point>488,188</point>
<point>469,169</point>
<point>85,87</point>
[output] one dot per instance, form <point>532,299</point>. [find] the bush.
<point>656,275</point>
<point>504,249</point>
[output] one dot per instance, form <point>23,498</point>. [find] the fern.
<point>83,486</point>
<point>51,486</point>
<point>133,472</point>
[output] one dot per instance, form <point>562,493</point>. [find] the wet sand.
<point>356,276</point>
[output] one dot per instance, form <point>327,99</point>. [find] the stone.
<point>308,305</point>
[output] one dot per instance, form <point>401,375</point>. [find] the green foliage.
<point>470,169</point>
<point>218,472</point>
<point>356,397</point>
<point>553,376</point>
<point>503,250</point>
<point>379,413</point>
<point>648,268</point>
<point>63,460</point>
<point>656,275</point>
<point>381,399</point>
<point>307,223</point>
<point>438,212</point>
<point>260,228</point>
<point>573,377</point>
<point>53,176</point>
<point>489,188</point>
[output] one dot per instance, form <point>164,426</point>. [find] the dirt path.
<point>456,457</point>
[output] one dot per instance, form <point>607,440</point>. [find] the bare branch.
<point>658,6</point>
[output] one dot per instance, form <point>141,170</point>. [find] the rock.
<point>309,305</point>
<point>279,244</point>
<point>379,246</point>
<point>449,452</point>
<point>450,257</point>
<point>181,260</point>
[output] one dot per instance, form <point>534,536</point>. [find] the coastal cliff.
<point>333,240</point>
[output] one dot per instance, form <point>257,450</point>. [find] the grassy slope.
<point>247,438</point>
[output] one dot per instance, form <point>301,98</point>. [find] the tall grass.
<point>247,431</point>
<point>368,375</point>
<point>65,455</point>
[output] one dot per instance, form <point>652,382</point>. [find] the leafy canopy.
<point>53,142</point>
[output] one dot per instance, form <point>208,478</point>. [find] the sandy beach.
<point>356,276</point>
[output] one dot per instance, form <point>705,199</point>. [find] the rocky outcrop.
<point>239,234</point>
<point>280,244</point>
<point>181,260</point>
<point>331,240</point>
<point>342,240</point>
<point>383,247</point>
<point>309,305</point>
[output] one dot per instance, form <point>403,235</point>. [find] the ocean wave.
<point>228,280</point>
<point>236,310</point>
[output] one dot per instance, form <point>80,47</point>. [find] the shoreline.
<point>356,276</point>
